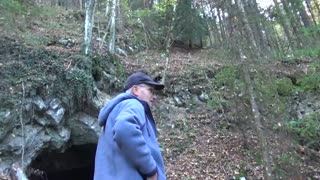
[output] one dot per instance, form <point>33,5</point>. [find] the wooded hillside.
<point>242,82</point>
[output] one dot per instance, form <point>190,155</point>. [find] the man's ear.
<point>134,90</point>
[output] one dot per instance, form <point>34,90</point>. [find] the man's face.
<point>145,93</point>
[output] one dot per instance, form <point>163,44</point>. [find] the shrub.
<point>306,131</point>
<point>310,83</point>
<point>12,5</point>
<point>284,87</point>
<point>227,81</point>
<point>285,164</point>
<point>226,77</point>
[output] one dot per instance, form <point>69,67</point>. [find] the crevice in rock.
<point>77,162</point>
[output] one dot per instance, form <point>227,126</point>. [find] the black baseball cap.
<point>141,78</point>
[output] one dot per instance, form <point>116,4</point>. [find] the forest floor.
<point>194,146</point>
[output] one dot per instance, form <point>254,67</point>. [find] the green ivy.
<point>80,81</point>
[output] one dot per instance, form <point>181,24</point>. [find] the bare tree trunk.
<point>248,28</point>
<point>107,8</point>
<point>221,25</point>
<point>293,22</point>
<point>256,26</point>
<point>229,21</point>
<point>216,33</point>
<point>267,37</point>
<point>303,14</point>
<point>277,40</point>
<point>211,34</point>
<point>311,12</point>
<point>317,6</point>
<point>106,29</point>
<point>168,42</point>
<point>89,21</point>
<point>113,28</point>
<point>250,90</point>
<point>285,24</point>
<point>257,119</point>
<point>119,17</point>
<point>22,124</point>
<point>212,25</point>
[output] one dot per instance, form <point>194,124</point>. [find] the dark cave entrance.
<point>77,162</point>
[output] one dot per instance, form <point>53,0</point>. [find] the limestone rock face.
<point>55,112</point>
<point>84,129</point>
<point>7,119</point>
<point>46,124</point>
<point>304,105</point>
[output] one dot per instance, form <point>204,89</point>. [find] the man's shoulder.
<point>124,99</point>
<point>133,107</point>
<point>131,103</point>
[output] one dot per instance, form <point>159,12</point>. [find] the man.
<point>128,148</point>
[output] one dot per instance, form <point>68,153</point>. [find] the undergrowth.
<point>306,131</point>
<point>46,73</point>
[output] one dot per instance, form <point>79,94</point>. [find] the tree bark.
<point>89,21</point>
<point>120,18</point>
<point>317,6</point>
<point>308,3</point>
<point>216,33</point>
<point>168,42</point>
<point>277,39</point>
<point>211,24</point>
<point>255,20</point>
<point>293,22</point>
<point>229,21</point>
<point>221,25</point>
<point>113,28</point>
<point>268,37</point>
<point>285,24</point>
<point>240,43</point>
<point>303,14</point>
<point>257,120</point>
<point>248,29</point>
